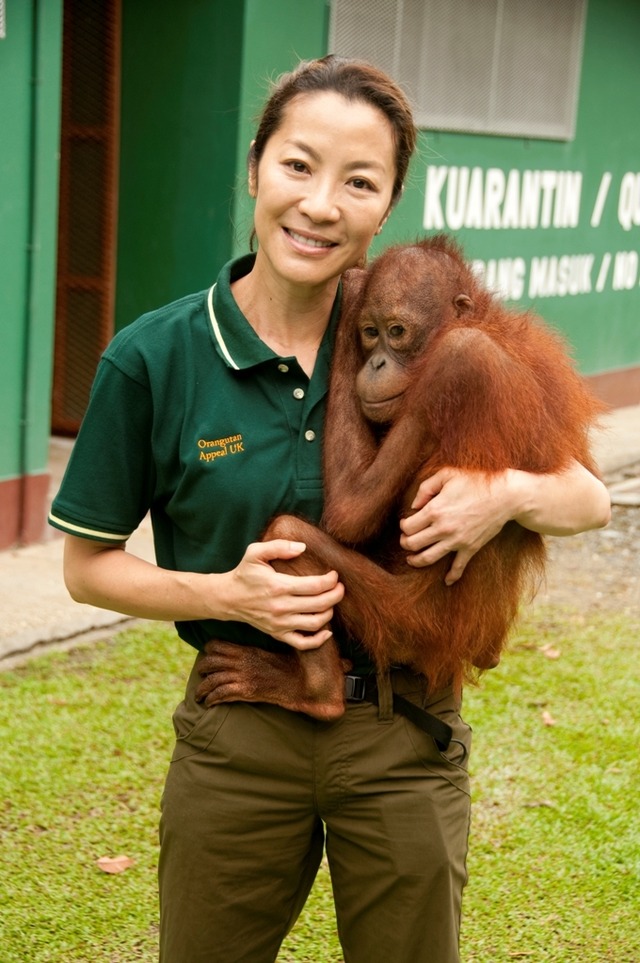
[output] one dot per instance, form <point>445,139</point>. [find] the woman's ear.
<point>383,221</point>
<point>252,171</point>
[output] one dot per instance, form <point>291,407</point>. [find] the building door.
<point>88,203</point>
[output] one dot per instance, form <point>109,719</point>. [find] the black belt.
<point>358,688</point>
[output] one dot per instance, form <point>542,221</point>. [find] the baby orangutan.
<point>429,370</point>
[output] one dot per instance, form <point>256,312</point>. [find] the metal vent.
<point>508,67</point>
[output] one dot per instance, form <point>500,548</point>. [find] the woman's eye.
<point>361,184</point>
<point>298,166</point>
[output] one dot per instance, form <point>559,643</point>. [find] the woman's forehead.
<point>321,117</point>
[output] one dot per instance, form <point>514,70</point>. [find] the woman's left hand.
<point>454,511</point>
<point>460,511</point>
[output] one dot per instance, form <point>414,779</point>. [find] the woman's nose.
<point>319,203</point>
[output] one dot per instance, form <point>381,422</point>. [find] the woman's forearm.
<point>294,609</point>
<point>112,578</point>
<point>560,504</point>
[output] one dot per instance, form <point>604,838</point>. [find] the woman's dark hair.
<point>354,80</point>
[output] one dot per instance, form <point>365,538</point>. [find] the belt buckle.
<point>354,688</point>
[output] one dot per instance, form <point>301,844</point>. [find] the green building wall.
<point>181,67</point>
<point>30,59</point>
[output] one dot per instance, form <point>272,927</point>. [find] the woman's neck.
<point>291,320</point>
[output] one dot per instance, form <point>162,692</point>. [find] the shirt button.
<point>310,435</point>
<point>283,368</point>
<point>298,393</point>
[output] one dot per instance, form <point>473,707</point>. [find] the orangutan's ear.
<point>463,304</point>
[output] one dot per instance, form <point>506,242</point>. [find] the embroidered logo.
<point>220,447</point>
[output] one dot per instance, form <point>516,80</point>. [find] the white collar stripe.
<point>217,332</point>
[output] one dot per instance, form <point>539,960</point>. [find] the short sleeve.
<point>109,482</point>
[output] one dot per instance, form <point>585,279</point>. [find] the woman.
<point>209,412</point>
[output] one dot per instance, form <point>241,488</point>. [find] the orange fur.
<point>492,389</point>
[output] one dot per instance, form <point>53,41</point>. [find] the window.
<point>508,67</point>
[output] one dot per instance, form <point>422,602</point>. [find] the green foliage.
<point>555,847</point>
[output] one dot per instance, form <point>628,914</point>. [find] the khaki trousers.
<point>253,790</point>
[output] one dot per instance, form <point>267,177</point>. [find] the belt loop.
<point>385,696</point>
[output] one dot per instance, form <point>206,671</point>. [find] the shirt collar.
<point>235,340</point>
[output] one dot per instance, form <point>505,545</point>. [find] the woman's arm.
<point>284,606</point>
<point>459,511</point>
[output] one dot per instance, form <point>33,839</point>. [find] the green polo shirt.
<point>194,418</point>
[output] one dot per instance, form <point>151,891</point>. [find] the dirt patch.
<point>600,571</point>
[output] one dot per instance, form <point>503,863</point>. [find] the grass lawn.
<point>555,847</point>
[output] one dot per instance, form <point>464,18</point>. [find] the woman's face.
<point>323,188</point>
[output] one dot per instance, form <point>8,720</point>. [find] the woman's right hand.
<point>295,609</point>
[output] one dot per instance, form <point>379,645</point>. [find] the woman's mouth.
<point>314,242</point>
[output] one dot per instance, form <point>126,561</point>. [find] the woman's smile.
<point>308,241</point>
